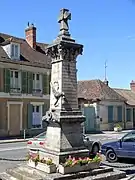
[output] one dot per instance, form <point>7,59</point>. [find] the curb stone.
<point>13,141</point>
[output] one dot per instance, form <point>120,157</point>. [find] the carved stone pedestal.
<point>65,139</point>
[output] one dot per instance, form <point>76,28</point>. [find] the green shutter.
<point>1,79</point>
<point>6,80</point>
<point>24,82</point>
<point>49,83</point>
<point>45,84</point>
<point>45,108</point>
<point>30,82</point>
<point>29,113</point>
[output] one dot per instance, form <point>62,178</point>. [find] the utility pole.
<point>105,70</point>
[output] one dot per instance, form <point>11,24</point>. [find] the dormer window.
<point>15,51</point>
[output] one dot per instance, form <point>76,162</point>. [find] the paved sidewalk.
<point>104,133</point>
<point>113,132</point>
<point>13,141</point>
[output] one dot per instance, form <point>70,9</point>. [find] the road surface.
<point>19,151</point>
<point>12,151</point>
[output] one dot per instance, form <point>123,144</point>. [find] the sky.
<point>106,28</point>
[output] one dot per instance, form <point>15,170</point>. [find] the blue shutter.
<point>29,112</point>
<point>128,114</point>
<point>119,113</point>
<point>110,114</point>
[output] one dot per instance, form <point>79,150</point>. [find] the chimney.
<point>30,34</point>
<point>132,85</point>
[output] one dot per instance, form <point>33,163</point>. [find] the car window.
<point>129,137</point>
<point>41,136</point>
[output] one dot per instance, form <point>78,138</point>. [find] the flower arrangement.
<point>46,161</point>
<point>32,156</point>
<point>81,161</point>
<point>35,158</point>
<point>118,126</point>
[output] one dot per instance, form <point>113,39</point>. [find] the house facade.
<point>104,107</point>
<point>25,73</point>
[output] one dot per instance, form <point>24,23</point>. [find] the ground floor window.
<point>36,116</point>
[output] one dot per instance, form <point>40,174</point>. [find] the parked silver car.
<point>38,142</point>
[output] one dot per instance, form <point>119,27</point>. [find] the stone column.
<point>64,134</point>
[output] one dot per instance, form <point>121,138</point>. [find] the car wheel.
<point>111,156</point>
<point>95,149</point>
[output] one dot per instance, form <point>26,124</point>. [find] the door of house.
<point>90,123</point>
<point>14,119</point>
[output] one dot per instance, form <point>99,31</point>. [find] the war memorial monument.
<point>64,155</point>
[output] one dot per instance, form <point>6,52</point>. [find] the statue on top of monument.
<point>65,15</point>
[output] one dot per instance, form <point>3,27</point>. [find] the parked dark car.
<point>39,141</point>
<point>122,148</point>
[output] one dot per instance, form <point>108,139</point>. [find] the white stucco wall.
<point>104,125</point>
<point>101,110</point>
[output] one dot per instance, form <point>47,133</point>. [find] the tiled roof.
<point>96,89</point>
<point>128,94</point>
<point>28,56</point>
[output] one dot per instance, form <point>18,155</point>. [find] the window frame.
<point>15,50</point>
<point>37,78</point>
<point>12,76</point>
<point>34,110</point>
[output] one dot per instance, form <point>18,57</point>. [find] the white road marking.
<point>13,148</point>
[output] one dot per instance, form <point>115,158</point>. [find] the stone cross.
<point>65,15</point>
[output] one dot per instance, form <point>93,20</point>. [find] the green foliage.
<point>81,161</point>
<point>118,126</point>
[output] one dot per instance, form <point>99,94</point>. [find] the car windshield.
<point>41,136</point>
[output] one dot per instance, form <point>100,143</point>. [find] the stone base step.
<point>25,172</point>
<point>115,175</point>
<point>130,177</point>
<point>5,176</point>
